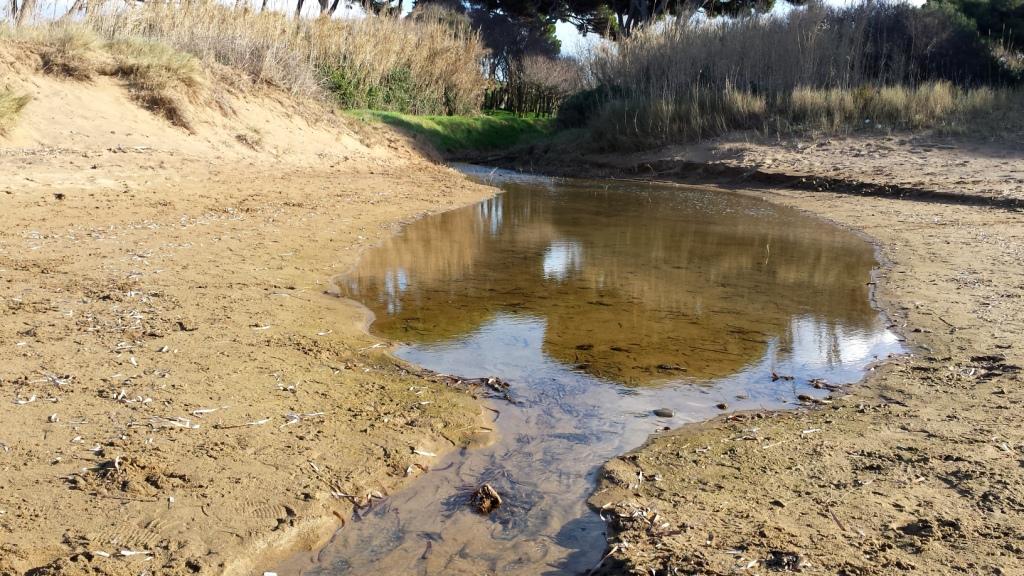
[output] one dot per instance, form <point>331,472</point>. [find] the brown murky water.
<point>599,302</point>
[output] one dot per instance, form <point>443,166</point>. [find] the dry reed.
<point>824,69</point>
<point>442,63</point>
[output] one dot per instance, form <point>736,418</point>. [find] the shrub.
<point>536,85</point>
<point>394,92</point>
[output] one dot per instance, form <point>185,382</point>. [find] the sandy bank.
<point>174,382</point>
<point>918,468</point>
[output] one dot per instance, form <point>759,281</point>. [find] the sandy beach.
<point>181,393</point>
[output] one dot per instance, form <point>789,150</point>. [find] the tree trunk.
<point>79,6</point>
<point>27,6</point>
<point>641,11</point>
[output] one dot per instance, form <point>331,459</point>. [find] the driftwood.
<point>486,499</point>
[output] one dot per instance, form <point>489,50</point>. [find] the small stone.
<point>664,413</point>
<point>721,405</point>
<point>784,561</point>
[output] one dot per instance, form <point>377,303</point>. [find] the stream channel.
<point>598,302</point>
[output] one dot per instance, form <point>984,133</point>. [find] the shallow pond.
<point>598,302</point>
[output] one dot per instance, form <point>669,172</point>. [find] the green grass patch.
<point>482,133</point>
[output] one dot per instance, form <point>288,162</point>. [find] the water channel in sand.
<point>599,302</point>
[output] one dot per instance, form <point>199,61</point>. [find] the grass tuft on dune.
<point>160,78</point>
<point>11,105</point>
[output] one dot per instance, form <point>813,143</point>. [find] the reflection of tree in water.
<point>632,282</point>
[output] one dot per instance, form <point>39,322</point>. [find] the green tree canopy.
<point>995,19</point>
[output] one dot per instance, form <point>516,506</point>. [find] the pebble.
<point>664,413</point>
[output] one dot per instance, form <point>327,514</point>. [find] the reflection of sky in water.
<point>396,281</point>
<point>513,346</point>
<point>819,344</point>
<point>552,439</point>
<point>562,258</point>
<point>627,277</point>
<point>492,215</point>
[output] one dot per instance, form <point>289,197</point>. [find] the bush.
<point>641,123</point>
<point>904,44</point>
<point>394,92</point>
<point>577,110</point>
<point>536,85</point>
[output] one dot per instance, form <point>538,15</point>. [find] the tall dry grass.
<point>442,64</point>
<point>874,65</point>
